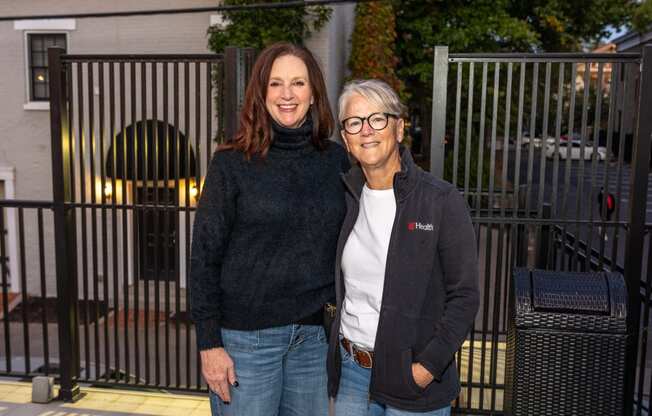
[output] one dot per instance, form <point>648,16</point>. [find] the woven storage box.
<point>566,344</point>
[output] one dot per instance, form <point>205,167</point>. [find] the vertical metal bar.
<point>186,164</point>
<point>5,297</point>
<point>478,198</point>
<point>594,162</point>
<point>456,137</point>
<point>627,75</point>
<point>64,226</point>
<point>533,123</point>
<point>469,129</point>
<point>105,240</point>
<point>166,223</point>
<point>613,93</point>
<point>93,180</point>
<point>177,277</point>
<point>114,218</point>
<point>481,137</point>
<point>544,141</point>
<point>125,234</point>
<point>44,294</point>
<point>555,167</point>
<point>196,178</point>
<point>144,157</point>
<point>637,207</point>
<point>137,130</point>
<point>82,195</point>
<point>23,288</point>
<point>519,138</point>
<point>439,98</point>
<point>157,231</point>
<point>567,167</point>
<point>506,132</point>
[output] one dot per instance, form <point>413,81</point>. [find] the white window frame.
<point>44,27</point>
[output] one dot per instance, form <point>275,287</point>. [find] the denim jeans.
<point>353,395</point>
<point>281,371</point>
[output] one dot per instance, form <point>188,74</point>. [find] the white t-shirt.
<point>363,266</point>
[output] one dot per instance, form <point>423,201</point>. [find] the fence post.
<point>635,236</point>
<point>64,230</point>
<point>238,63</point>
<point>438,131</point>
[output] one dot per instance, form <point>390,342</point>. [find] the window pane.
<point>37,42</point>
<point>38,59</point>
<point>60,41</point>
<point>41,91</point>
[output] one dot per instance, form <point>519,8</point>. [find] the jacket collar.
<point>404,180</point>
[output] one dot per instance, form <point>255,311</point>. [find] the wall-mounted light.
<point>194,191</point>
<point>108,190</point>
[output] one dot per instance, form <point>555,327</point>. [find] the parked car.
<point>572,150</point>
<point>536,141</point>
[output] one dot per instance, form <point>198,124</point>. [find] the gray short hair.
<point>375,91</point>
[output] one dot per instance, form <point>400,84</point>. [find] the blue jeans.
<point>353,395</point>
<point>281,371</point>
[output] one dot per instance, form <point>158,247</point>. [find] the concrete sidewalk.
<point>15,400</point>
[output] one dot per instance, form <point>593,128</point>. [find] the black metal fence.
<point>103,266</point>
<point>540,144</point>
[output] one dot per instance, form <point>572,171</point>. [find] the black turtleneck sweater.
<point>264,237</point>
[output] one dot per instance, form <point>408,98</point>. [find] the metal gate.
<point>552,152</point>
<point>132,136</point>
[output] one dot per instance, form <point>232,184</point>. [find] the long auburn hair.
<point>254,136</point>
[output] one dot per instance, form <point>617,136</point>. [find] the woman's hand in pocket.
<point>421,376</point>
<point>219,372</point>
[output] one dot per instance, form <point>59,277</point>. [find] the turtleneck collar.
<point>292,139</point>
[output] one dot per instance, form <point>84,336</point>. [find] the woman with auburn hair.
<point>264,240</point>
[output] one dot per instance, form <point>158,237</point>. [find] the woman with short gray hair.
<point>406,271</point>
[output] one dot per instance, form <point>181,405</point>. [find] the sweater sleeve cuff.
<point>435,367</point>
<point>209,334</point>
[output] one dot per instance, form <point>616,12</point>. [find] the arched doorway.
<point>157,166</point>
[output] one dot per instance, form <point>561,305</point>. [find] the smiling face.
<point>289,94</point>
<point>374,149</point>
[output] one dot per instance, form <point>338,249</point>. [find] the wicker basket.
<point>566,344</point>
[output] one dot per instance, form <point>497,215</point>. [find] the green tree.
<point>373,47</point>
<point>258,28</point>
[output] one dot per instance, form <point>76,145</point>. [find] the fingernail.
<point>236,384</point>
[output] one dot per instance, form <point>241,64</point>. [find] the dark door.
<point>156,234</point>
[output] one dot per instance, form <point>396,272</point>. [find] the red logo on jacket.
<point>414,226</point>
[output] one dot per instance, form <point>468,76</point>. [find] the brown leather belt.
<point>363,358</point>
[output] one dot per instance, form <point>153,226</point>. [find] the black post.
<point>238,63</point>
<point>64,230</point>
<point>438,132</point>
<point>635,236</point>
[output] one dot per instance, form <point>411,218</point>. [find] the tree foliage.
<point>373,44</point>
<point>258,28</point>
<point>501,26</point>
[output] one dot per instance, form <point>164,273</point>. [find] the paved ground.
<point>15,400</point>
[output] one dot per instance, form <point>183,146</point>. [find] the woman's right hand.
<point>219,372</point>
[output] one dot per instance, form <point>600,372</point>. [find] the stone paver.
<point>15,400</point>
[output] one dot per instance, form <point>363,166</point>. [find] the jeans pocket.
<point>236,340</point>
<point>343,352</point>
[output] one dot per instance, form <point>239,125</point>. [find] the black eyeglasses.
<point>377,121</point>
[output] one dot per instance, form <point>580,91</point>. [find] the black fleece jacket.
<point>264,237</point>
